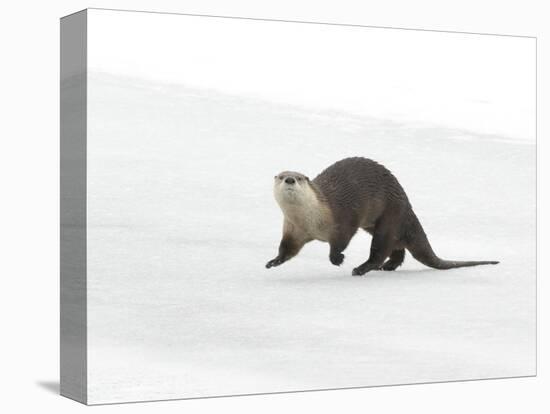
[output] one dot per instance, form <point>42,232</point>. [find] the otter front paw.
<point>274,262</point>
<point>336,258</point>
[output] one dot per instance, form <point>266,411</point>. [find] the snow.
<point>181,221</point>
<point>481,83</point>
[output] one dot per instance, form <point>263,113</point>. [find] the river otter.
<point>353,193</point>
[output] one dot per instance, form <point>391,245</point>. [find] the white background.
<point>478,83</point>
<point>30,71</point>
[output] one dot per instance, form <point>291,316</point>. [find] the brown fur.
<point>353,193</point>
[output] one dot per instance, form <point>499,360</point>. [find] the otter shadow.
<point>339,276</point>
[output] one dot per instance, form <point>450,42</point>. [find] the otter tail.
<point>419,246</point>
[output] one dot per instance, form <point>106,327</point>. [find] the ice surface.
<point>181,221</point>
<point>484,83</point>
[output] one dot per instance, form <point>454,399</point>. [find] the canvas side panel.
<point>73,206</point>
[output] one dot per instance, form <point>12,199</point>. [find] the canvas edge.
<point>73,125</point>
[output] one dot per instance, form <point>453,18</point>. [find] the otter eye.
<point>280,177</point>
<point>299,179</point>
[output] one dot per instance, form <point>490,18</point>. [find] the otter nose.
<point>290,180</point>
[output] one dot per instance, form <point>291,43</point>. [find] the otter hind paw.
<point>389,265</point>
<point>364,268</point>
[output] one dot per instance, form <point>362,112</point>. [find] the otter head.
<point>292,188</point>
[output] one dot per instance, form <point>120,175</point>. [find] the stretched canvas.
<point>187,141</point>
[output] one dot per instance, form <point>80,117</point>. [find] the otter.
<point>350,194</point>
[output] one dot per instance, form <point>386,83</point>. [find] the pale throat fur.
<point>304,212</point>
